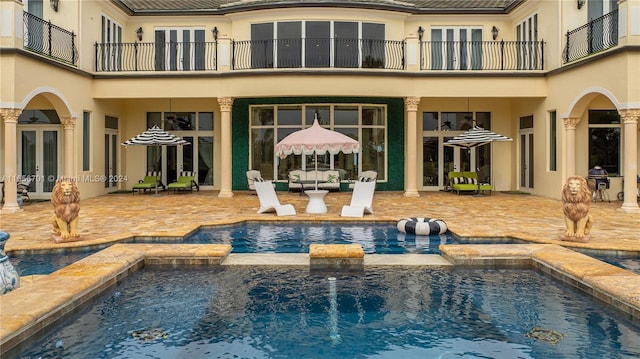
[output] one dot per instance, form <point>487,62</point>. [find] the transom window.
<point>363,122</point>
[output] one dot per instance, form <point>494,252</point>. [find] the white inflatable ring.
<point>422,226</point>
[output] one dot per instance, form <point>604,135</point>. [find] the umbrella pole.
<point>316,159</point>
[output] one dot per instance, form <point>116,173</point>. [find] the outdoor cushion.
<point>186,181</point>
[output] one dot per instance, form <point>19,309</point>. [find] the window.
<point>604,140</point>
<point>553,141</point>
<point>86,141</point>
<point>317,44</point>
<point>365,122</point>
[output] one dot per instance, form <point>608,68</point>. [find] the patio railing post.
<point>49,35</point>
<point>502,54</point>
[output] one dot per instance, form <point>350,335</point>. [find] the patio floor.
<point>113,217</point>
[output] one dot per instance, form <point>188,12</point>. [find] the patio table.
<point>316,201</point>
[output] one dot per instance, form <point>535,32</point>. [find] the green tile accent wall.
<point>395,133</point>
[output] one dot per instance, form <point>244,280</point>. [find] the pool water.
<point>276,312</point>
<point>380,238</point>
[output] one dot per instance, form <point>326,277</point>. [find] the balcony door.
<point>179,49</point>
<point>456,48</point>
<point>111,40</point>
<point>527,35</point>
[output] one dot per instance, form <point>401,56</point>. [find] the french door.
<point>111,158</point>
<point>439,160</point>
<point>456,48</point>
<point>526,158</point>
<point>40,155</point>
<point>195,157</point>
<point>179,49</point>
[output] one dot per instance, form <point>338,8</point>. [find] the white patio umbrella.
<point>155,136</point>
<point>475,137</point>
<point>316,140</point>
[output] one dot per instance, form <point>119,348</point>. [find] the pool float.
<point>422,226</point>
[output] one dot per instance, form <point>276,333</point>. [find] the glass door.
<point>111,159</point>
<point>456,48</point>
<point>40,156</point>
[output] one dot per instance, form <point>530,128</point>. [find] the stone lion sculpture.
<point>576,202</point>
<point>66,205</point>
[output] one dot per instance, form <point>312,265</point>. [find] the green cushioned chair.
<point>467,181</point>
<point>148,183</point>
<point>185,182</point>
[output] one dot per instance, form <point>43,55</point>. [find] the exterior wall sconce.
<point>420,33</point>
<point>494,32</point>
<point>215,33</point>
<point>580,4</point>
<point>54,4</point>
<point>139,33</point>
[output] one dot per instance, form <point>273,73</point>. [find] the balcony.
<point>44,38</point>
<point>481,55</point>
<point>356,54</point>
<point>597,35</point>
<point>149,56</point>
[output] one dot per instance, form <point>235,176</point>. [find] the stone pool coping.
<point>42,302</point>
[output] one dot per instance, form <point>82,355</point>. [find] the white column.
<point>630,161</point>
<point>225,145</point>
<point>410,160</point>
<point>69,125</point>
<point>570,125</point>
<point>10,118</point>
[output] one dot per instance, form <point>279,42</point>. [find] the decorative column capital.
<point>630,116</point>
<point>225,103</point>
<point>412,103</point>
<point>68,122</point>
<point>10,114</point>
<point>570,123</point>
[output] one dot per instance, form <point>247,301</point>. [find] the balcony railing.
<point>597,35</point>
<point>46,39</point>
<point>481,55</point>
<point>318,53</point>
<point>149,56</point>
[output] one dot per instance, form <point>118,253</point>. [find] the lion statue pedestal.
<point>576,202</point>
<point>65,198</point>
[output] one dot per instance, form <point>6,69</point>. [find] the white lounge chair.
<point>361,200</point>
<point>269,200</point>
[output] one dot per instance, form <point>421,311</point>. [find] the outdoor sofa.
<point>467,181</point>
<point>327,179</point>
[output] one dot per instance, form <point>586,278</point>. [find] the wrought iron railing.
<point>481,55</point>
<point>318,53</point>
<point>149,56</point>
<point>46,39</point>
<point>595,36</point>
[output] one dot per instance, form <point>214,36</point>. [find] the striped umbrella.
<point>477,136</point>
<point>155,136</point>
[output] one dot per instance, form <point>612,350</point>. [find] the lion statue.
<point>576,201</point>
<point>66,205</point>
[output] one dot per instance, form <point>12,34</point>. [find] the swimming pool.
<point>280,312</point>
<point>293,237</point>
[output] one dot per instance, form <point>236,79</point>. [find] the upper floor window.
<point>317,44</point>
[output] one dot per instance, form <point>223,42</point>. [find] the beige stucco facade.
<point>608,80</point>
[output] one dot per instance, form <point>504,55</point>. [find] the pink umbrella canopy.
<point>316,140</point>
